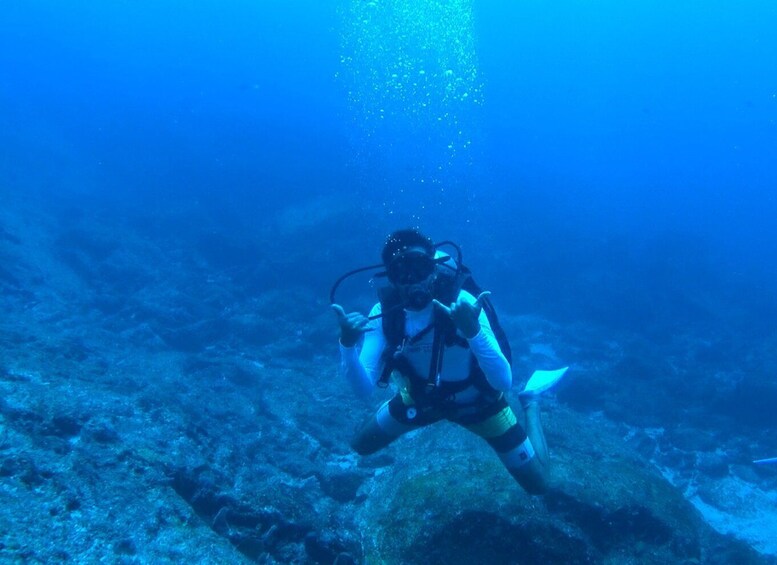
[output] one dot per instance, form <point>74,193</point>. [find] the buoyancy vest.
<point>430,388</point>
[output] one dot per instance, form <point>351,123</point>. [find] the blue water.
<point>623,119</point>
<point>610,163</point>
<point>604,163</point>
<point>651,114</point>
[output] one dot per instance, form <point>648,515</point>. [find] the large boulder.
<point>447,499</point>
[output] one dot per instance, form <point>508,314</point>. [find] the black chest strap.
<point>445,336</point>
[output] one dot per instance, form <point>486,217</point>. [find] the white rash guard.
<point>362,368</point>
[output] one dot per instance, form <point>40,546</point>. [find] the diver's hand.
<point>352,325</point>
<point>464,314</point>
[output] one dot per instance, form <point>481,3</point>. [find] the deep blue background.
<point>622,149</point>
<point>641,115</point>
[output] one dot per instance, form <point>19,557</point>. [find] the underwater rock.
<point>325,548</point>
<point>217,360</point>
<point>208,369</point>
<point>125,546</point>
<point>64,426</point>
<point>252,531</point>
<point>194,337</point>
<point>26,470</point>
<point>692,439</point>
<point>102,432</point>
<point>342,487</point>
<point>713,464</point>
<point>454,503</point>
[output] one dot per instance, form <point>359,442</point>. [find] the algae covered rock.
<point>448,500</point>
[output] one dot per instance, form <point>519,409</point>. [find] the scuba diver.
<point>437,333</point>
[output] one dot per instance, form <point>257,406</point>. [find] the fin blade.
<point>540,381</point>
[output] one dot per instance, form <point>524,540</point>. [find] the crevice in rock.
<point>253,532</point>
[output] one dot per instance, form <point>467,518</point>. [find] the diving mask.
<point>410,267</point>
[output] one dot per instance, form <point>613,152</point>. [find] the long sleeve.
<point>361,366</point>
<point>486,350</point>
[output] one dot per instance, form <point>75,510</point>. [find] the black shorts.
<point>494,421</point>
